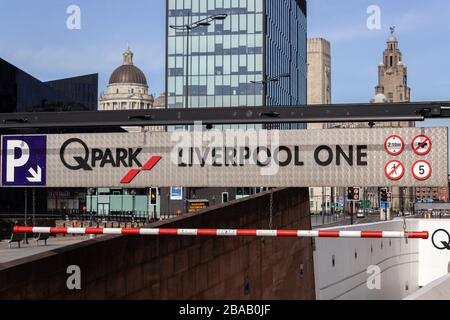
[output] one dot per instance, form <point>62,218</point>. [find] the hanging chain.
<point>271,212</point>
<point>405,226</point>
<point>271,192</point>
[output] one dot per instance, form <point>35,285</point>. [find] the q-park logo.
<point>76,155</point>
<point>24,161</point>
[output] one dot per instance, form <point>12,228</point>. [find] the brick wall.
<point>182,267</point>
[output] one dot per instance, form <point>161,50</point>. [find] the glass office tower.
<point>234,62</point>
<point>231,62</point>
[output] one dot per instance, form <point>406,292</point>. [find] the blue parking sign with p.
<point>24,161</point>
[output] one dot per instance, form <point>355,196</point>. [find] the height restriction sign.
<point>394,145</point>
<point>422,145</point>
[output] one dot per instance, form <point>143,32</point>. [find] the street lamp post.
<point>265,83</point>
<point>206,22</point>
<point>267,80</point>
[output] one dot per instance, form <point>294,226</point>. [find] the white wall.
<point>434,263</point>
<point>436,290</point>
<point>398,260</point>
<point>405,265</point>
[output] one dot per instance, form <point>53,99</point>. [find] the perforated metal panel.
<point>167,173</point>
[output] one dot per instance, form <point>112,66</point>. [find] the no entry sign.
<point>254,158</point>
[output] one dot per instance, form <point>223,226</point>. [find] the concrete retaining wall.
<point>437,290</point>
<point>405,266</point>
<point>347,278</point>
<point>182,268</point>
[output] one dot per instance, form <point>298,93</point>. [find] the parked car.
<point>360,214</point>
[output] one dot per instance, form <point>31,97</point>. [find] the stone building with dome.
<point>127,88</point>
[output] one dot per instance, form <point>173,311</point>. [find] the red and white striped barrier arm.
<point>228,232</point>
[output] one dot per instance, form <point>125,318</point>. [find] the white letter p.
<point>11,162</point>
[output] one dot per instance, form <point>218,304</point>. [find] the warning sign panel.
<point>230,158</point>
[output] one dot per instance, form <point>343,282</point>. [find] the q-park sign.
<point>238,158</point>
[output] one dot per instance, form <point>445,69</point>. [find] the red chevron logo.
<point>133,173</point>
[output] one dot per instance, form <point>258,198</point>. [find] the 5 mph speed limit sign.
<point>422,170</point>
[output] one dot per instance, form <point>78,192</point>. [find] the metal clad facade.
<point>167,173</point>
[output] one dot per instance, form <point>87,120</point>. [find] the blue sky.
<point>33,36</point>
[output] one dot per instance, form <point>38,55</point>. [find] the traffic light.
<point>350,193</point>
<point>389,196</point>
<point>353,194</point>
<point>384,195</point>
<point>154,196</point>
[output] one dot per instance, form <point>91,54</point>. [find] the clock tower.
<point>393,73</point>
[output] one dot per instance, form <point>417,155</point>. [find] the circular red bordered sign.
<point>394,170</point>
<point>394,145</point>
<point>422,170</point>
<point>422,145</point>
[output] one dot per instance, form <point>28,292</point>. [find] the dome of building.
<point>379,98</point>
<point>128,72</point>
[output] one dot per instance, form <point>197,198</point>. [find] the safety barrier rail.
<point>229,232</point>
